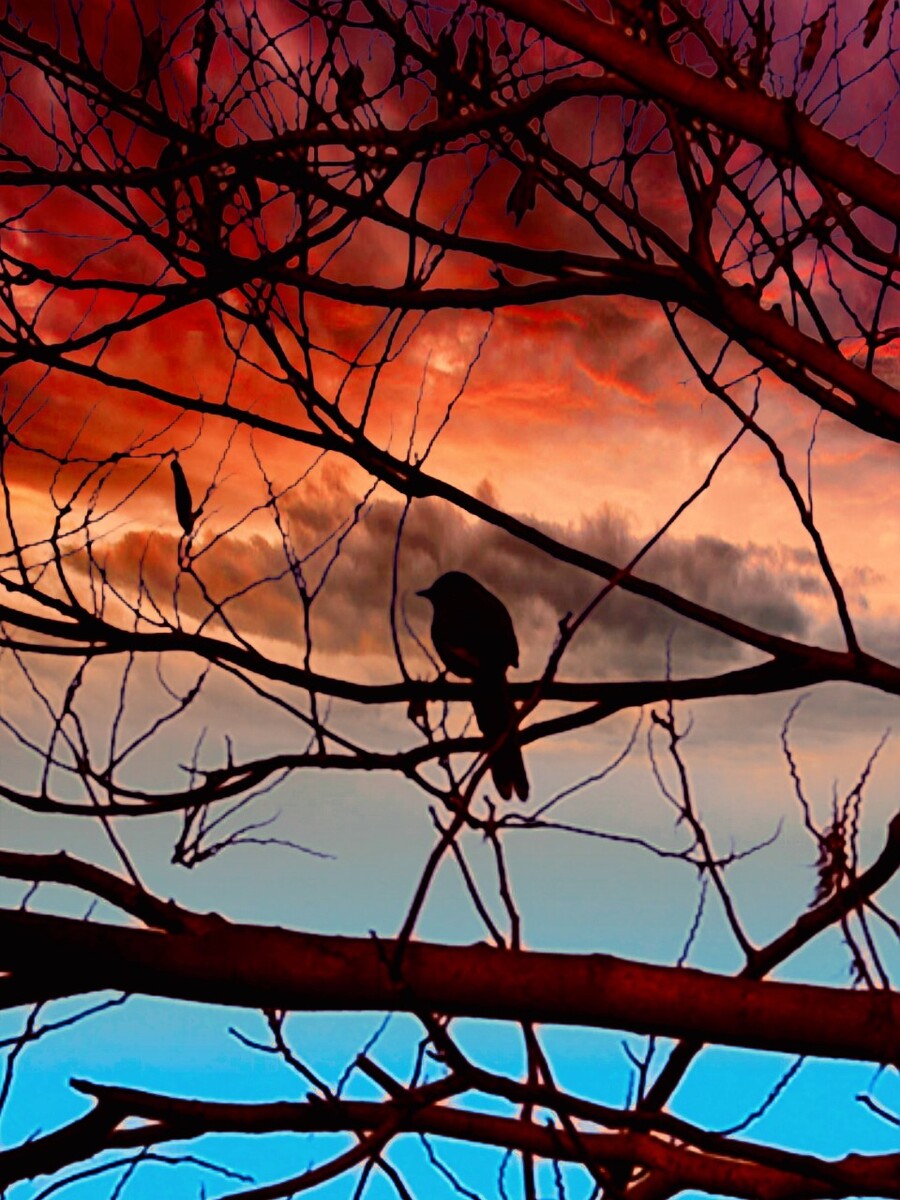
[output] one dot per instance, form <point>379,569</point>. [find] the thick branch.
<point>766,958</point>
<point>175,1118</point>
<point>258,967</point>
<point>775,125</point>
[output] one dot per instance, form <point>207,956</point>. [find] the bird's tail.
<point>495,714</point>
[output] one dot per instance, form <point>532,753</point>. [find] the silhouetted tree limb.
<point>259,967</point>
<point>775,124</point>
<point>728,1170</point>
<point>316,200</point>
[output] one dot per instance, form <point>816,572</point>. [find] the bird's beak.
<point>426,592</point>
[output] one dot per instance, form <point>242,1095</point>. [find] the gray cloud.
<point>346,557</point>
<point>626,635</point>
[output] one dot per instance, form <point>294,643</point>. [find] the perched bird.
<point>473,635</point>
<point>183,504</point>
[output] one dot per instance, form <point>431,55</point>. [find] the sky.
<point>580,417</point>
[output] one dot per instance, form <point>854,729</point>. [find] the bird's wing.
<point>460,659</point>
<point>504,649</point>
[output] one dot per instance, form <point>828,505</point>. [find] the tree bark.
<point>263,967</point>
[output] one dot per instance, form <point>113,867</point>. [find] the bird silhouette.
<point>184,509</point>
<point>473,635</point>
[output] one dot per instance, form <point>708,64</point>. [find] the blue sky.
<point>575,893</point>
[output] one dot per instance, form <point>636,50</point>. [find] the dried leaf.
<point>183,504</point>
<point>168,185</point>
<point>523,196</point>
<point>209,212</point>
<point>873,21</point>
<point>204,32</point>
<point>254,197</point>
<point>350,91</point>
<point>813,42</point>
<point>151,58</point>
<point>759,51</point>
<point>833,863</point>
<point>475,62</point>
<point>446,53</point>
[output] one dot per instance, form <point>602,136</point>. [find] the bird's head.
<point>450,587</point>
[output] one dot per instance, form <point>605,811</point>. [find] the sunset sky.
<point>579,416</point>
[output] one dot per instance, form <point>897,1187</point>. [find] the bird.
<point>474,637</point>
<point>183,505</point>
